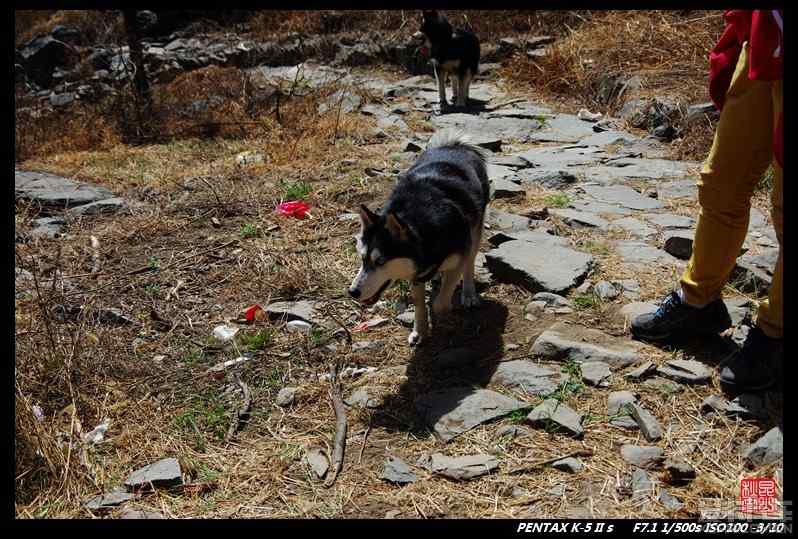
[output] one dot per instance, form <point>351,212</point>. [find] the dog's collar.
<point>427,274</point>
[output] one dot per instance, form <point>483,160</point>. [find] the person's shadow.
<point>462,351</point>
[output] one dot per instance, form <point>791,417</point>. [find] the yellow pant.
<point>741,153</point>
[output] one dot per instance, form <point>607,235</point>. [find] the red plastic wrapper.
<point>294,208</point>
<point>253,313</point>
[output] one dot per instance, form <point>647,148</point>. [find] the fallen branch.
<point>242,413</point>
<point>542,463</point>
<point>337,459</point>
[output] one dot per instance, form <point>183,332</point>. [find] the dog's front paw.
<point>415,338</point>
<point>470,299</point>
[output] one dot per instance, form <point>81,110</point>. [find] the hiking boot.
<point>753,367</point>
<point>675,319</point>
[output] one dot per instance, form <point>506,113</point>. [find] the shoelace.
<point>670,303</point>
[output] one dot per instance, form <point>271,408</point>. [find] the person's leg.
<point>769,316</point>
<point>741,152</point>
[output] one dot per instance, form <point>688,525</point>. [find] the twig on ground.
<point>337,459</point>
<point>95,254</point>
<point>243,412</point>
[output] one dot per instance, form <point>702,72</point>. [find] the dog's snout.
<point>354,292</point>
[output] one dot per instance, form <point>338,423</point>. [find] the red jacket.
<point>763,29</point>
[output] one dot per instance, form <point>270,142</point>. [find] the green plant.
<point>595,247</point>
<point>585,301</point>
<point>152,289</point>
<point>249,231</point>
<point>154,263</point>
<point>295,191</point>
<point>205,416</point>
<point>256,341</point>
<point>557,200</point>
<point>193,357</point>
<point>316,337</point>
<point>766,181</point>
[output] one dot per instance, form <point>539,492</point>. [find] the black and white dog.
<point>453,53</point>
<point>432,223</point>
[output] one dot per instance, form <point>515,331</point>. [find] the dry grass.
<point>95,26</point>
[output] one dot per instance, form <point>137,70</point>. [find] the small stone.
<point>648,457</point>
<point>596,373</point>
<point>604,290</point>
<point>530,377</point>
<point>670,502</point>
<point>662,385</point>
<point>646,369</point>
<point>679,244</point>
<point>138,514</point>
<point>767,449</point>
<point>406,318</point>
<point>686,371</point>
<point>362,398</point>
<point>618,411</point>
<point>649,426</point>
<point>680,470</point>
<point>161,474</point>
<point>632,310</point>
<point>286,397</point>
<point>108,500</point>
<point>553,411</point>
<point>511,431</point>
<point>462,468</point>
<point>396,470</point>
<point>317,461</point>
<point>642,485</point>
<point>510,347</point>
<point>564,341</point>
<point>569,464</point>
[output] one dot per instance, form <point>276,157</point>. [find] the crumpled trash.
<point>218,370</point>
<point>255,312</point>
<point>294,208</point>
<point>98,434</point>
<point>588,116</point>
<point>37,413</point>
<point>298,325</point>
<point>224,333</point>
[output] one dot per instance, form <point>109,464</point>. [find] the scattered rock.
<point>362,398</point>
<point>451,412</point>
<point>639,252</point>
<point>648,457</point>
<point>564,341</point>
<point>108,500</point>
<point>618,409</point>
<point>670,502</point>
<point>677,189</point>
<point>286,397</point>
<point>462,468</point>
<point>56,193</point>
<point>596,373</point>
<point>623,195</point>
<point>504,188</point>
<point>604,290</point>
<point>646,369</point>
<point>164,473</point>
<point>499,220</point>
<point>511,431</point>
<point>580,219</point>
<point>767,449</point>
<point>532,378</point>
<point>633,310</point>
<point>317,461</point>
<point>745,406</point>
<point>633,226</point>
<point>669,221</point>
<point>680,471</point>
<point>661,385</point>
<point>552,411</point>
<point>306,311</point>
<point>550,300</point>
<point>649,426</point>
<point>139,514</point>
<point>686,371</point>
<point>520,262</point>
<point>679,244</point>
<point>555,179</point>
<point>365,346</point>
<point>739,309</point>
<point>397,471</point>
<point>569,464</point>
<point>642,485</point>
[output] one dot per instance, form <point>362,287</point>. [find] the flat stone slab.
<point>536,236</point>
<point>646,369</point>
<point>161,474</point>
<point>549,178</point>
<point>649,426</point>
<point>640,252</point>
<point>317,460</point>
<point>537,265</point>
<point>451,412</point>
<point>642,485</point>
<point>363,397</point>
<point>462,468</point>
<point>108,500</point>
<point>395,470</point>
<point>647,457</point>
<point>600,208</point>
<point>619,411</point>
<point>623,195</point>
<point>563,128</point>
<point>563,157</point>
<point>679,470</point>
<point>553,412</point>
<point>139,514</point>
<point>55,192</point>
<point>630,167</point>
<point>505,188</point>
<point>669,221</point>
<point>500,220</point>
<point>580,219</point>
<point>105,206</point>
<point>569,464</point>
<point>503,128</point>
<point>530,377</point>
<point>564,341</point>
<point>686,371</point>
<point>767,449</point>
<point>632,310</point>
<point>596,373</point>
<point>677,189</point>
<point>745,406</point>
<point>670,502</point>
<point>633,226</point>
<point>286,396</point>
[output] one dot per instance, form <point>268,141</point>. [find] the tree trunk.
<point>141,85</point>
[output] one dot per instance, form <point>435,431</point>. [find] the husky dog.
<point>453,53</point>
<point>432,223</point>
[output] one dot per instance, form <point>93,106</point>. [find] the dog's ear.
<point>396,227</point>
<point>367,217</point>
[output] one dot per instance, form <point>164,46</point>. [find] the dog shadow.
<point>462,351</point>
<point>474,106</point>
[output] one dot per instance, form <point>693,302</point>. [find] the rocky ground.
<point>535,404</point>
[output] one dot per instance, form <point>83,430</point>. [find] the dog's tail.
<point>448,138</point>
